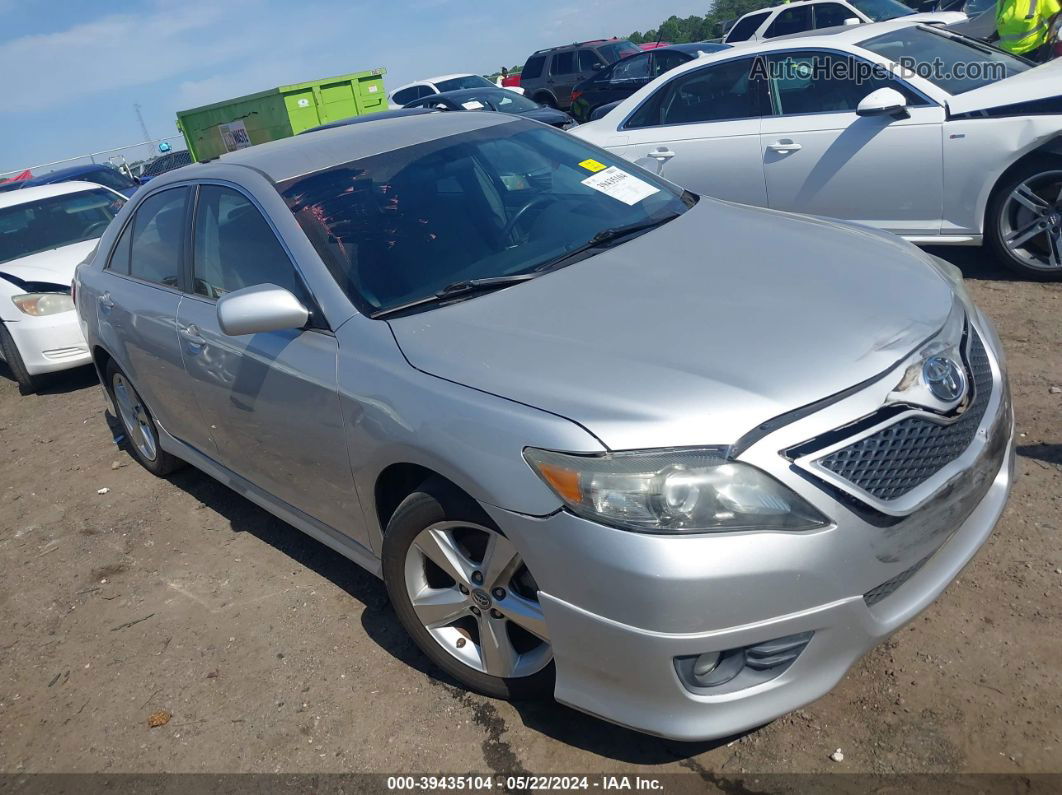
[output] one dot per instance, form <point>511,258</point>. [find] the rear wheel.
<point>1024,219</point>
<point>547,100</point>
<point>141,433</point>
<point>465,596</point>
<point>27,384</point>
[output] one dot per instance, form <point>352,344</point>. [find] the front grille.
<point>889,587</point>
<point>896,459</point>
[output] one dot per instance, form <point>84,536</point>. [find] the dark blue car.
<point>100,174</point>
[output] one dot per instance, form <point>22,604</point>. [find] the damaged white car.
<point>909,128</point>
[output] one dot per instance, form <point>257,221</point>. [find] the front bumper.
<point>50,343</point>
<point>621,606</point>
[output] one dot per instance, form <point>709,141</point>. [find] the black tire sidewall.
<point>164,463</point>
<point>437,501</point>
<point>27,384</point>
<point>994,217</point>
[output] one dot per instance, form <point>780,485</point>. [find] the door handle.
<point>106,301</point>
<point>662,154</point>
<point>784,146</point>
<point>191,333</point>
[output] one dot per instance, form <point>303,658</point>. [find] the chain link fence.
<point>130,159</point>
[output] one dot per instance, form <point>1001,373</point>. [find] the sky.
<point>73,69</point>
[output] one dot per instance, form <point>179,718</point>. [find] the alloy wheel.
<point>476,598</point>
<point>135,418</point>
<point>1031,222</point>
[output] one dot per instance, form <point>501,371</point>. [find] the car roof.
<point>694,47</point>
<point>305,154</point>
<point>461,93</point>
<point>383,114</point>
<point>32,193</point>
<point>72,171</point>
<point>445,77</point>
<point>826,37</point>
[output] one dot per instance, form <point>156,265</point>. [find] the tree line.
<point>677,30</point>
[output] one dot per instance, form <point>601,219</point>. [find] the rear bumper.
<point>50,343</point>
<point>622,669</point>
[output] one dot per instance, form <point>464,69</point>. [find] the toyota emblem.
<point>945,378</point>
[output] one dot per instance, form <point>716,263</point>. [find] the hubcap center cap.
<point>481,598</point>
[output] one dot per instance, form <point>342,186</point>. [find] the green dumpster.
<point>213,130</point>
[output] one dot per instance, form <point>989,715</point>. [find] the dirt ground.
<point>273,653</point>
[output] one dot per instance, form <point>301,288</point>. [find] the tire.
<point>1008,218</point>
<point>547,100</point>
<point>141,434</point>
<point>462,647</point>
<point>27,384</point>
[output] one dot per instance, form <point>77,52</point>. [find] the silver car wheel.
<point>475,597</point>
<point>1031,222</point>
<point>135,418</point>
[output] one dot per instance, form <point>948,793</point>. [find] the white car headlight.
<point>673,491</point>
<point>39,304</point>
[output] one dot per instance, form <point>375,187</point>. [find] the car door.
<point>269,401</point>
<point>562,76</point>
<point>701,131</point>
<point>821,158</point>
<point>138,301</point>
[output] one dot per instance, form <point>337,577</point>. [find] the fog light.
<point>705,664</point>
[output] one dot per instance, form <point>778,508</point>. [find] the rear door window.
<point>563,63</point>
<point>158,235</point>
<point>746,27</point>
<point>714,93</point>
<point>793,20</point>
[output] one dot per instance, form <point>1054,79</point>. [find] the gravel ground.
<point>272,653</point>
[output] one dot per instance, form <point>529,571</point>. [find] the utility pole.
<point>140,118</point>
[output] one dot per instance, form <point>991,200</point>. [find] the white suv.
<point>789,18</point>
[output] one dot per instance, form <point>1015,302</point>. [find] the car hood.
<point>1040,82</point>
<point>547,115</point>
<point>55,265</point>
<point>693,333</point>
<point>936,17</point>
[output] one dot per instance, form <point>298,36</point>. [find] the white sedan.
<point>411,92</point>
<point>44,233</point>
<point>958,145</point>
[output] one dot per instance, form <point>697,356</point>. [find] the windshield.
<point>56,221</point>
<point>508,199</point>
<point>953,63</point>
<point>500,100</point>
<point>468,81</point>
<point>620,49</point>
<point>975,7</point>
<point>880,10</point>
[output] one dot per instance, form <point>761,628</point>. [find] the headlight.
<point>673,491</point>
<point>39,304</point>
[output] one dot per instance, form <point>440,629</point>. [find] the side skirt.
<point>319,531</point>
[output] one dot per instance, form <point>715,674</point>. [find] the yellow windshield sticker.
<point>593,165</point>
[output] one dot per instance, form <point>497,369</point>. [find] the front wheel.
<point>462,592</point>
<point>1024,220</point>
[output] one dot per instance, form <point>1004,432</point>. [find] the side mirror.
<point>597,67</point>
<point>853,21</point>
<point>883,102</point>
<point>264,307</point>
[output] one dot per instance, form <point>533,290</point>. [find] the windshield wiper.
<point>457,289</point>
<point>600,240</point>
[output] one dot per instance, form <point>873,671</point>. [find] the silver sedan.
<point>677,462</point>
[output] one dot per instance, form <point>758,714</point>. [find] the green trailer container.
<point>213,130</point>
